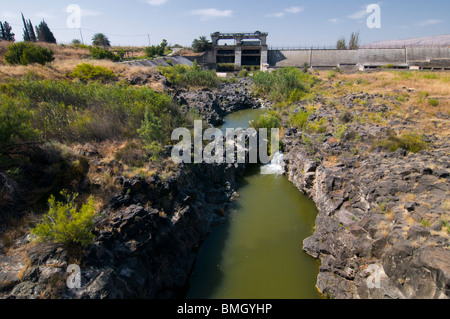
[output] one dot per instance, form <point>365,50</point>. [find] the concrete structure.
<point>422,58</point>
<point>246,50</point>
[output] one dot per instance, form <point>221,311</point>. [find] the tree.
<point>100,39</point>
<point>353,44</point>
<point>44,34</point>
<point>28,31</point>
<point>201,44</point>
<point>341,44</point>
<point>6,32</point>
<point>76,41</point>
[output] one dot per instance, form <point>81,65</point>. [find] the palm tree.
<point>201,44</point>
<point>99,39</point>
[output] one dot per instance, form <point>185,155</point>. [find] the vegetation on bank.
<point>65,224</point>
<point>191,77</point>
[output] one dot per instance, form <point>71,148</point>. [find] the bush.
<point>319,126</point>
<point>287,84</point>
<point>192,77</point>
<point>65,224</point>
<point>152,135</point>
<point>15,126</point>
<point>243,73</point>
<point>433,102</point>
<point>77,111</point>
<point>411,142</point>
<point>87,72</point>
<point>25,53</point>
<point>99,53</point>
<point>299,120</point>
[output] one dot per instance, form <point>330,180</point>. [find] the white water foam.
<point>274,167</point>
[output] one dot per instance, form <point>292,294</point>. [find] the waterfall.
<point>274,167</point>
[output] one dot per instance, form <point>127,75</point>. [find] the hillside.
<point>434,41</point>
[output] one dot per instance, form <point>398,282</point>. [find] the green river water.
<point>257,253</point>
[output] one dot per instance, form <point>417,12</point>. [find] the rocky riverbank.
<point>381,231</point>
<point>214,105</point>
<point>145,240</point>
<point>147,232</point>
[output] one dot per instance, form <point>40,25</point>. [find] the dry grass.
<point>66,60</point>
<point>410,95</point>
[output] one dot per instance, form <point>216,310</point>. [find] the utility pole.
<point>82,41</point>
<point>149,44</point>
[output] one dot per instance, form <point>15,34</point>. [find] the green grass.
<point>77,111</point>
<point>191,77</point>
<point>287,85</point>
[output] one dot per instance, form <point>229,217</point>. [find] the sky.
<point>299,23</point>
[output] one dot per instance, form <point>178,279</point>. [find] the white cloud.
<point>276,15</point>
<point>335,21</point>
<point>156,3</point>
<point>211,13</point>
<point>292,10</point>
<point>429,22</point>
<point>90,13</point>
<point>361,14</point>
<point>358,15</point>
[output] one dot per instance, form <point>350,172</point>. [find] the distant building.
<point>235,51</point>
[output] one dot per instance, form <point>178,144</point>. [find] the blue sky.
<point>288,22</point>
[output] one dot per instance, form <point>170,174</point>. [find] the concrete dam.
<point>235,51</point>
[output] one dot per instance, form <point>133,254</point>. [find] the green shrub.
<point>319,126</point>
<point>267,121</point>
<point>340,132</point>
<point>25,53</point>
<point>15,124</point>
<point>99,53</point>
<point>298,120</point>
<point>192,77</point>
<point>87,72</point>
<point>283,85</point>
<point>65,224</point>
<point>243,73</point>
<point>77,111</point>
<point>433,102</point>
<point>411,142</point>
<point>151,132</point>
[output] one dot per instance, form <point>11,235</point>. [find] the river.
<point>257,253</point>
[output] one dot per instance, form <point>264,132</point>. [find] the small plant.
<point>243,73</point>
<point>319,126</point>
<point>151,133</point>
<point>425,223</point>
<point>65,224</point>
<point>25,53</point>
<point>87,72</point>
<point>433,102</point>
<point>299,120</point>
<point>423,95</point>
<point>340,132</point>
